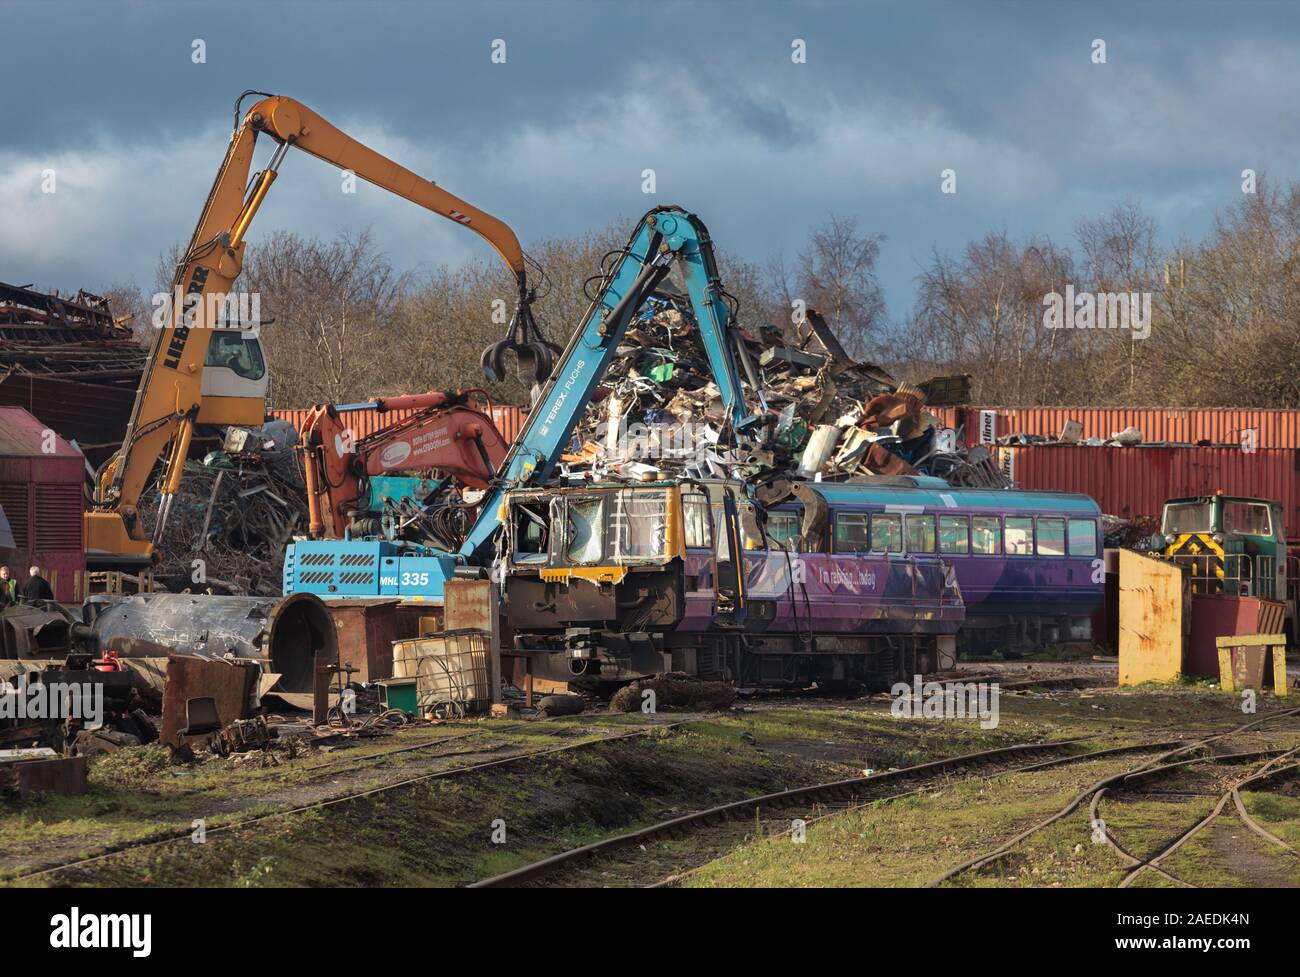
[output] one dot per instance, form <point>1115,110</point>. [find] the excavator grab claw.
<point>535,356</point>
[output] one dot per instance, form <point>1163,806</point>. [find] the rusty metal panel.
<point>1187,425</point>
<point>1153,616</point>
<point>1136,481</point>
<point>230,684</point>
<point>57,775</point>
<point>367,629</point>
<point>1215,616</point>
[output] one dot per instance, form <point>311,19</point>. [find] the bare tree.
<point>332,303</point>
<point>836,275</point>
<point>983,314</point>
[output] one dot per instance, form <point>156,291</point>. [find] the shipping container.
<point>41,477</point>
<point>508,419</point>
<point>1136,481</point>
<point>1181,425</point>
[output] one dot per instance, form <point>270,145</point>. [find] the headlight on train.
<point>1170,540</point>
<point>1218,538</point>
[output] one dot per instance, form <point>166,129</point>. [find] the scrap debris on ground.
<point>673,690</point>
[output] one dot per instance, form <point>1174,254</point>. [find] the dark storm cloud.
<point>593,93</point>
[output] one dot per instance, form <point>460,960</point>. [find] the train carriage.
<point>606,583</point>
<point>1029,564</point>
<point>865,582</point>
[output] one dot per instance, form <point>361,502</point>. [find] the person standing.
<point>36,587</point>
<point>8,588</point>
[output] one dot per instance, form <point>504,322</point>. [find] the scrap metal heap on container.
<point>74,338</point>
<point>70,362</point>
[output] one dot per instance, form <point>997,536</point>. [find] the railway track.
<point>1089,793</point>
<point>773,812</point>
<point>1271,758</point>
<point>183,834</point>
<point>345,764</point>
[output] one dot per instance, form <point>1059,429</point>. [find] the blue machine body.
<point>352,568</point>
<point>665,236</point>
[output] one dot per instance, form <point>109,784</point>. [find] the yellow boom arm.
<point>170,393</point>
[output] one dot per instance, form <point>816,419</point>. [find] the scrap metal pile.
<point>659,412</point>
<point>71,339</point>
<point>71,363</point>
<point>235,511</point>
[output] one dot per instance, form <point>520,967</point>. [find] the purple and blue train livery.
<point>1029,564</point>
<point>864,582</point>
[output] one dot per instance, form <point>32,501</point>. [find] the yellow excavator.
<point>184,381</point>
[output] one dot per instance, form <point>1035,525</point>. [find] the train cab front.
<point>593,579</point>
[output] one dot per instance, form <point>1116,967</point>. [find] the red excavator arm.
<point>449,433</point>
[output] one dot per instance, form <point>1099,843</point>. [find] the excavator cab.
<point>235,379</point>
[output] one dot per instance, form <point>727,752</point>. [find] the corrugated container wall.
<point>1137,481</point>
<point>507,418</point>
<point>41,478</point>
<point>1217,425</point>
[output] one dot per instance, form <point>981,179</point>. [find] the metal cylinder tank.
<point>293,634</point>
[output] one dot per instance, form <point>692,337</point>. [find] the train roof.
<point>900,490</point>
<point>936,493</point>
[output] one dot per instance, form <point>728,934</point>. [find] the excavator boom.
<point>449,434</point>
<point>665,237</point>
<point>170,394</point>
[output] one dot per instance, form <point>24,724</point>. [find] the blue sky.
<point>554,140</point>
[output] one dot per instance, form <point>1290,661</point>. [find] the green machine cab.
<point>1232,545</point>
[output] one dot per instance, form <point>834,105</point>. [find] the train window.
<point>1020,536</point>
<point>530,532</point>
<point>585,529</point>
<point>920,533</point>
<point>1246,518</point>
<point>986,535</point>
<point>851,533</point>
<point>1051,537</point>
<point>953,534</point>
<point>1083,537</point>
<point>783,528</point>
<point>886,533</point>
<point>1187,517</point>
<point>695,514</point>
<point>640,525</point>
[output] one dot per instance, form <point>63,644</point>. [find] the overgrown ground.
<point>456,829</point>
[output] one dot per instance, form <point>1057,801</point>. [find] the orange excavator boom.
<point>449,434</point>
<point>170,395</point>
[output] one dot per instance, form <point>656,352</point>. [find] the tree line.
<point>345,324</point>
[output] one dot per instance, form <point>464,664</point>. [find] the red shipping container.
<point>1131,482</point>
<point>1186,425</point>
<point>508,419</point>
<point>41,478</point>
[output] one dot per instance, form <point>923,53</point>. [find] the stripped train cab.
<point>606,583</point>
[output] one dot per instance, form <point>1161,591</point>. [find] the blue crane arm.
<point>664,236</point>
